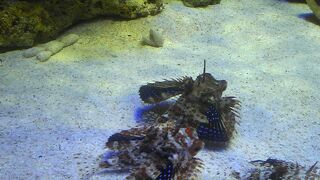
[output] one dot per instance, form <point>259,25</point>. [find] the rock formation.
<point>199,3</point>
<point>24,23</point>
<point>315,7</point>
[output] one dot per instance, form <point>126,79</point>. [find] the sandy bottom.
<point>55,116</point>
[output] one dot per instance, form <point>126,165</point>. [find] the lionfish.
<point>160,152</point>
<point>279,169</point>
<point>200,105</point>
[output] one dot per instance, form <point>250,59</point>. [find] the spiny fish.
<point>163,151</point>
<point>200,105</point>
<point>166,149</point>
<point>278,169</point>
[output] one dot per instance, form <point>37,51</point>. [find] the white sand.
<point>53,112</point>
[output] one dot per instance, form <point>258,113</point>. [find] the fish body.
<point>200,105</point>
<point>278,169</point>
<point>161,151</point>
<point>166,147</point>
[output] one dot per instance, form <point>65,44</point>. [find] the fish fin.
<point>230,106</point>
<point>191,170</point>
<point>161,91</point>
<point>125,138</point>
<point>167,172</point>
<point>151,113</point>
<point>311,168</point>
<point>147,172</point>
<point>215,129</point>
<point>122,137</point>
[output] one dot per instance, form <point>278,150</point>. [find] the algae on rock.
<point>24,23</point>
<point>199,3</point>
<point>315,7</point>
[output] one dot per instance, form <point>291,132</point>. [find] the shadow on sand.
<point>310,17</point>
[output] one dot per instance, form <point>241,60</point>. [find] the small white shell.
<point>155,39</point>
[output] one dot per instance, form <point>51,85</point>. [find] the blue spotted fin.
<point>160,91</point>
<point>167,173</point>
<point>214,130</point>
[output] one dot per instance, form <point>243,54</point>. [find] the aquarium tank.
<point>160,89</point>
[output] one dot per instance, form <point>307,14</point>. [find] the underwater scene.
<point>160,89</point>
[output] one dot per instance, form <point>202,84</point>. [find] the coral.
<point>198,3</point>
<point>24,23</point>
<point>315,7</point>
<point>45,51</point>
<point>20,23</point>
<point>155,39</point>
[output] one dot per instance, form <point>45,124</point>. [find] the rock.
<point>24,23</point>
<point>54,46</point>
<point>155,39</point>
<point>45,51</point>
<point>199,3</point>
<point>314,5</point>
<point>44,56</point>
<point>32,51</point>
<point>69,39</point>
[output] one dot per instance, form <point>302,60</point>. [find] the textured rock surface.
<point>45,51</point>
<point>198,3</point>
<point>25,23</point>
<point>315,7</point>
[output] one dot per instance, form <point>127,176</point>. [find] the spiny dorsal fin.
<point>160,91</point>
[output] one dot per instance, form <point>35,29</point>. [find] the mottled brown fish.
<point>277,169</point>
<point>166,148</point>
<point>160,152</point>
<point>200,105</point>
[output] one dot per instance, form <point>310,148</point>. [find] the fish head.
<point>207,87</point>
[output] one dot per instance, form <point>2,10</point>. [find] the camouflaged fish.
<point>277,169</point>
<point>200,105</point>
<point>160,152</point>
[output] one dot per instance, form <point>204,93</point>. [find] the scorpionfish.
<point>200,105</point>
<point>161,152</point>
<point>279,169</point>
